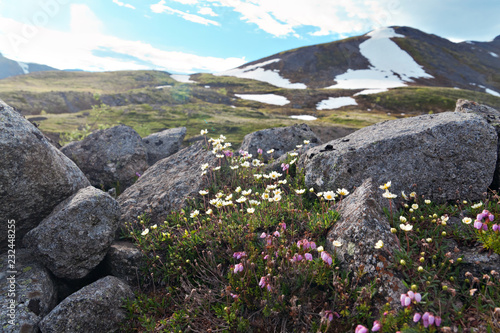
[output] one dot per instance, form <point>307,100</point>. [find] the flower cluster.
<point>487,217</point>
<point>428,319</point>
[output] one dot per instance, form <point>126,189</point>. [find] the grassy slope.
<point>196,107</point>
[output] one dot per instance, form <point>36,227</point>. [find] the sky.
<point>191,36</point>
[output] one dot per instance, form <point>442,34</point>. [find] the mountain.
<point>381,59</point>
<point>12,68</point>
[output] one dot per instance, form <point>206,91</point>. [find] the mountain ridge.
<point>10,67</point>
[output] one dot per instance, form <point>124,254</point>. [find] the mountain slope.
<point>390,57</point>
<point>12,68</point>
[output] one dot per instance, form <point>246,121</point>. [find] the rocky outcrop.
<point>362,224</point>
<point>94,308</point>
<point>447,155</point>
<point>281,139</point>
<point>76,236</point>
<point>124,261</point>
<point>165,186</point>
<point>163,144</point>
<point>109,157</point>
<point>34,175</point>
<point>33,290</point>
<point>492,116</point>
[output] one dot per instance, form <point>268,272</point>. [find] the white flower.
<point>234,167</point>
<point>238,189</point>
<point>311,189</point>
<point>404,195</point>
<point>204,173</point>
<point>342,191</point>
<point>293,161</point>
<point>256,163</point>
<point>389,195</point>
<point>271,187</point>
<point>277,192</point>
<point>253,202</point>
<point>204,166</point>
<point>300,191</point>
<point>479,204</point>
<point>413,195</point>
<point>277,198</point>
<point>222,137</point>
<point>265,196</point>
<point>406,227</point>
<point>229,197</point>
<point>270,151</point>
<point>219,155</point>
<point>245,193</point>
<point>379,244</point>
<point>227,203</point>
<point>274,175</point>
<point>329,195</point>
<point>145,232</point>
<point>245,164</point>
<point>336,243</point>
<point>385,186</point>
<point>217,168</point>
<point>209,212</point>
<point>219,195</point>
<point>427,201</point>
<point>203,192</point>
<point>203,132</point>
<point>402,219</point>
<point>294,154</point>
<point>467,220</point>
<point>154,226</point>
<point>320,249</point>
<point>194,214</point>
<point>257,176</point>
<point>241,200</point>
<point>282,181</point>
<point>250,210</point>
<point>299,146</point>
<point>414,206</point>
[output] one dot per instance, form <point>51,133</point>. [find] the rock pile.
<point>68,226</point>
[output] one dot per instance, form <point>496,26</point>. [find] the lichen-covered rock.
<point>492,116</point>
<point>362,224</point>
<point>281,139</point>
<point>76,236</point>
<point>94,308</point>
<point>449,156</point>
<point>32,289</point>
<point>110,157</point>
<point>163,144</point>
<point>124,261</point>
<point>165,186</point>
<point>34,175</point>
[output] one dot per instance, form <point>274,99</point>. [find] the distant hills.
<point>12,68</point>
<point>385,58</point>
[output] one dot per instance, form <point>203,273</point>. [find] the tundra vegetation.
<point>248,255</point>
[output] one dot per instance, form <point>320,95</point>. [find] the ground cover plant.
<point>247,255</point>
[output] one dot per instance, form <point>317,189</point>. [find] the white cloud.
<point>160,7</point>
<point>207,11</point>
<point>77,48</point>
<point>329,17</point>
<point>187,2</point>
<point>122,4</point>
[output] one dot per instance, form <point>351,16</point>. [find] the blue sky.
<point>188,36</point>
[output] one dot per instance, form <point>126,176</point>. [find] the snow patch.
<point>492,92</point>
<point>390,66</point>
<point>182,78</point>
<point>304,117</point>
<point>493,54</point>
<point>24,66</point>
<point>371,91</point>
<point>256,72</point>
<point>163,87</point>
<point>265,98</point>
<point>335,103</point>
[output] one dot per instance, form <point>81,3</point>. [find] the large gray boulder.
<point>124,261</point>
<point>97,307</point>
<point>32,290</point>
<point>165,186</point>
<point>362,224</point>
<point>110,157</point>
<point>449,155</point>
<point>34,175</point>
<point>76,236</point>
<point>492,116</point>
<point>281,139</point>
<point>163,144</point>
